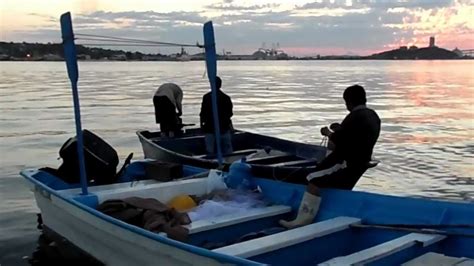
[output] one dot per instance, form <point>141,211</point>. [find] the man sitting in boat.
<point>354,140</point>
<point>224,107</point>
<point>167,100</point>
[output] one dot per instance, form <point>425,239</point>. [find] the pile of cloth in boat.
<point>149,214</point>
<point>155,216</point>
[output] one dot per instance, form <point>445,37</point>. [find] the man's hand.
<point>325,131</point>
<point>335,126</point>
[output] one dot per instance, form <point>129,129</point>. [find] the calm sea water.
<point>426,145</point>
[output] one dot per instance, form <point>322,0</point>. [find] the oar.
<point>210,52</point>
<point>426,230</point>
<point>73,74</point>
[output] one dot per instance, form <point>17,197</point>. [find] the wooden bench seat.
<point>272,159</point>
<point>385,249</point>
<point>295,163</point>
<point>226,220</point>
<point>235,153</point>
<point>287,238</point>
<point>199,136</point>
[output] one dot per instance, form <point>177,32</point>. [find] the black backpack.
<point>100,158</point>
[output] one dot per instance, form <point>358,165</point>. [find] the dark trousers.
<point>165,114</point>
<point>345,178</point>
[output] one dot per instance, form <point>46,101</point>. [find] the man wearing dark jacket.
<point>224,106</point>
<point>354,140</point>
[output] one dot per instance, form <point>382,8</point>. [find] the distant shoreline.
<point>31,52</point>
<point>296,59</point>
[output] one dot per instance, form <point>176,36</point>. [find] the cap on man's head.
<point>355,95</point>
<point>218,82</point>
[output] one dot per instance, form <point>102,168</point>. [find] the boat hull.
<point>291,161</point>
<point>113,242</point>
<point>108,240</point>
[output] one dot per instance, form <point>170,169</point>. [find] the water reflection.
<point>426,146</point>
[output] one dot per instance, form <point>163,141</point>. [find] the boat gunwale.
<point>213,162</point>
<point>41,188</point>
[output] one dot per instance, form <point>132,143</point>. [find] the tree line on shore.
<point>54,51</point>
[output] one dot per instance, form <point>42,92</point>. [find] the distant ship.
<point>183,56</point>
<point>273,53</point>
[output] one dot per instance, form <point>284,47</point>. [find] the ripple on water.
<point>426,146</point>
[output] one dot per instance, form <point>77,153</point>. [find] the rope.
<point>131,40</point>
<point>324,141</point>
<point>120,44</point>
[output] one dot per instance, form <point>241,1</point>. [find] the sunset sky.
<point>301,27</point>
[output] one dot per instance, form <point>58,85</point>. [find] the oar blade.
<point>69,47</point>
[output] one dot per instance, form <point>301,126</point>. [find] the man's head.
<point>353,96</point>
<point>218,82</point>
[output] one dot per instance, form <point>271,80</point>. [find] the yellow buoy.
<point>182,203</point>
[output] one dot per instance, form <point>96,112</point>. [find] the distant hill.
<point>416,53</point>
<point>54,52</point>
<point>40,50</point>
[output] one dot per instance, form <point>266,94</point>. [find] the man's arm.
<point>231,107</point>
<point>340,136</point>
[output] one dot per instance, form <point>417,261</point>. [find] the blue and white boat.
<point>351,228</point>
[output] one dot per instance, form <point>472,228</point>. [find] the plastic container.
<point>239,176</point>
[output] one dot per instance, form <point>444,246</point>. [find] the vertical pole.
<point>73,73</point>
<point>210,49</point>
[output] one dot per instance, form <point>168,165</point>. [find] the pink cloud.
<point>452,26</point>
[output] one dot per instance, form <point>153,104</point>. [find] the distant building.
<point>152,57</point>
<point>4,57</point>
<point>458,52</point>
<point>83,57</point>
<point>118,57</point>
<point>432,42</point>
<point>413,47</point>
<point>403,48</point>
<point>52,57</point>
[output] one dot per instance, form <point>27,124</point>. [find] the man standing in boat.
<point>167,100</point>
<point>224,107</point>
<point>354,140</point>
